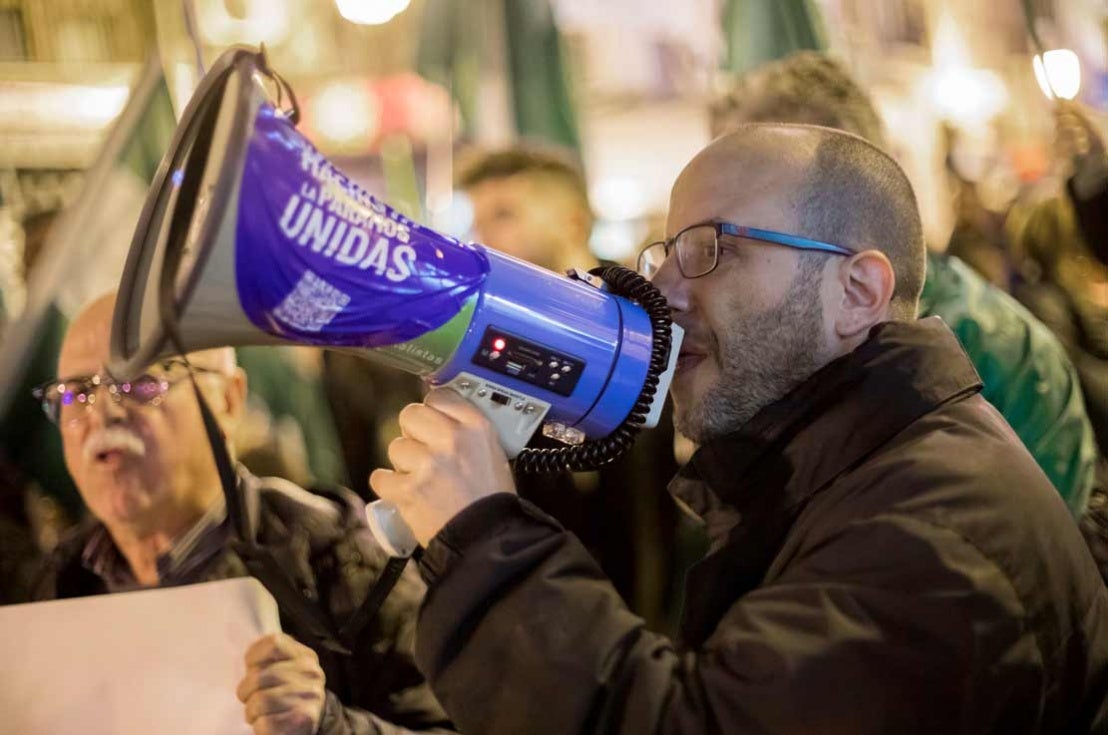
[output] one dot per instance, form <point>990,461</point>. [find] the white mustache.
<point>113,439</point>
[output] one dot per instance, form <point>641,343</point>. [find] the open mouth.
<point>111,447</point>
<point>109,456</point>
<point>688,360</point>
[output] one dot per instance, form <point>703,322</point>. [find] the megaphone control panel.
<point>512,355</point>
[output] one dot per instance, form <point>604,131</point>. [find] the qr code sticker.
<point>312,304</point>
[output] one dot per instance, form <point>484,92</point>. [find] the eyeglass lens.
<point>71,400</point>
<point>696,248</point>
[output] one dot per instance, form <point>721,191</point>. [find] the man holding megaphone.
<point>886,556</point>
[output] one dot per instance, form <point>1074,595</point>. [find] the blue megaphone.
<point>249,236</point>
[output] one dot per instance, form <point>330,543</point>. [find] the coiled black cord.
<point>595,453</point>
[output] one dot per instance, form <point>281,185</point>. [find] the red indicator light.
<point>499,344</point>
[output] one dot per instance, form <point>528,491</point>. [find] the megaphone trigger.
<point>515,416</point>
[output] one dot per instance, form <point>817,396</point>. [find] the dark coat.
<point>321,541</point>
<point>886,558</point>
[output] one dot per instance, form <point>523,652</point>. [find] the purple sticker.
<point>320,261</point>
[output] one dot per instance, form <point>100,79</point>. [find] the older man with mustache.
<point>141,460</point>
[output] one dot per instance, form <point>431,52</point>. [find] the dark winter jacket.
<point>321,541</point>
<point>886,558</point>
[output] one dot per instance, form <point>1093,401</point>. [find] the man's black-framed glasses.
<point>697,247</point>
<point>68,401</point>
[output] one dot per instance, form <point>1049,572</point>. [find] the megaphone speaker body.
<point>251,237</point>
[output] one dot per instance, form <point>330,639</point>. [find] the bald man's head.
<point>138,451</point>
<point>856,195</point>
<point>768,314</point>
<point>88,340</point>
<point>832,186</point>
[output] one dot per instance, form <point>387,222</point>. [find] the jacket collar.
<point>846,410</point>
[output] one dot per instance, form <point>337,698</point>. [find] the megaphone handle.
<point>389,528</point>
<point>515,417</point>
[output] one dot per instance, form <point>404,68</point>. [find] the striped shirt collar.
<point>180,564</point>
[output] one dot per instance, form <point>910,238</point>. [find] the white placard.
<point>153,661</point>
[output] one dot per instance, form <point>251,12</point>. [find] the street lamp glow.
<point>967,97</point>
<point>963,94</point>
<point>619,198</point>
<point>370,12</point>
<point>346,113</point>
<point>1058,73</point>
<point>257,21</point>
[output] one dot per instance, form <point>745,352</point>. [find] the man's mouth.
<point>111,447</point>
<point>109,458</point>
<point>688,359</point>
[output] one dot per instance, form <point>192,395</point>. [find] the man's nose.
<point>672,284</point>
<point>106,409</point>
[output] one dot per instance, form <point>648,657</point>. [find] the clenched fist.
<point>447,458</point>
<point>283,689</point>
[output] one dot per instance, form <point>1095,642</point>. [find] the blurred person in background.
<point>1065,287</point>
<point>1026,373</point>
<point>1064,267</point>
<point>144,467</point>
<point>1079,143</point>
<point>530,203</point>
<point>286,432</point>
<point>37,497</point>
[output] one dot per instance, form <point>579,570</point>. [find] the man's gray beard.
<point>761,358</point>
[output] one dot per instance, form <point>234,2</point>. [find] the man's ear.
<point>234,401</point>
<point>868,281</point>
<point>581,224</point>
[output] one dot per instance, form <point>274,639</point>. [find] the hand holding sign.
<point>283,689</point>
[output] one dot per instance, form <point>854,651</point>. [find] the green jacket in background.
<point>1026,372</point>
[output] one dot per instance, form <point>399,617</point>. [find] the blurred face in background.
<point>147,468</point>
<point>532,218</point>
